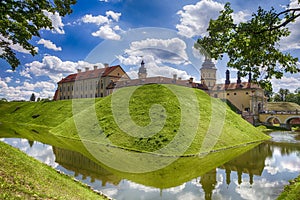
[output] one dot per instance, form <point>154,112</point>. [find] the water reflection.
<point>256,173</point>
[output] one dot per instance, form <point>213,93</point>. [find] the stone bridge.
<point>283,118</point>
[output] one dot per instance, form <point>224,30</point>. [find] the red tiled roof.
<point>234,86</point>
<point>90,74</point>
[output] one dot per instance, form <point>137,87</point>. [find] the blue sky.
<point>124,31</point>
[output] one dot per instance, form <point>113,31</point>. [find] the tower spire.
<point>142,71</point>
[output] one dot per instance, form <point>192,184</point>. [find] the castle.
<point>246,97</point>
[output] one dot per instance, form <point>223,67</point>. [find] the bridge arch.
<point>273,120</point>
<point>289,119</point>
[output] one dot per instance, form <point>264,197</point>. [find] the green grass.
<point>46,114</point>
<point>22,177</point>
<point>235,131</point>
<point>292,191</point>
<point>193,108</point>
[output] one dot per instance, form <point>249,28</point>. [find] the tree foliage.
<point>287,96</point>
<point>252,46</point>
<point>20,20</point>
<point>32,97</point>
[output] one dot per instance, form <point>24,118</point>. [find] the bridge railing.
<point>295,112</point>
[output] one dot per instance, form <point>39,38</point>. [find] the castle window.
<point>234,93</point>
<point>247,93</point>
<point>228,94</point>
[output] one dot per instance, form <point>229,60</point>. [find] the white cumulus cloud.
<point>194,19</point>
<point>107,28</point>
<point>98,20</point>
<point>293,40</point>
<point>56,22</point>
<point>54,68</point>
<point>17,47</point>
<point>49,45</point>
<point>169,50</point>
<point>106,32</point>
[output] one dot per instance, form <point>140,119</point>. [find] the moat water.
<point>258,173</point>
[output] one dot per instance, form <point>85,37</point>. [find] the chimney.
<point>78,70</point>
<point>179,78</point>
<point>238,81</point>
<point>106,65</point>
<point>227,77</point>
<point>86,69</point>
<point>191,80</point>
<point>250,77</point>
<point>95,67</point>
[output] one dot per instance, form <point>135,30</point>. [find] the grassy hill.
<point>23,177</point>
<point>187,120</point>
<point>282,106</point>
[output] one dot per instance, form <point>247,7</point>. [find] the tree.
<point>32,98</point>
<point>22,20</point>
<point>3,100</point>
<point>287,96</point>
<point>252,46</point>
<point>283,93</point>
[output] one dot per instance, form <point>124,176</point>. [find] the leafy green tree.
<point>287,96</point>
<point>3,100</point>
<point>20,20</point>
<point>276,98</point>
<point>283,94</point>
<point>32,97</point>
<point>252,46</point>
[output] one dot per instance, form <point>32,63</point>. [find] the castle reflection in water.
<point>250,163</point>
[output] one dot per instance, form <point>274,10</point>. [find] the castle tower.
<point>142,71</point>
<point>208,73</point>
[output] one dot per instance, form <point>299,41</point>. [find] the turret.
<point>208,73</point>
<point>142,71</point>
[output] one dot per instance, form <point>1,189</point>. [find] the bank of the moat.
<point>23,177</point>
<point>249,172</point>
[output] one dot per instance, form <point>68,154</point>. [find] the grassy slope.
<point>59,117</point>
<point>235,131</point>
<point>292,191</point>
<point>22,177</point>
<point>282,106</point>
<point>50,114</point>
